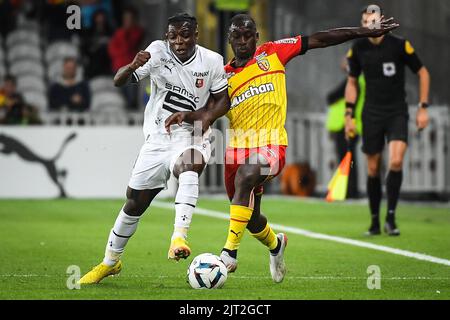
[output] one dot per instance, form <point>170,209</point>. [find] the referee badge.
<point>389,69</point>
<point>199,83</point>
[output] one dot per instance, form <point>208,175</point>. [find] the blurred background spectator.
<point>125,43</point>
<point>13,109</point>
<point>90,7</point>
<point>68,93</point>
<point>95,45</point>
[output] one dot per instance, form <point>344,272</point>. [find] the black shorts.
<point>380,129</point>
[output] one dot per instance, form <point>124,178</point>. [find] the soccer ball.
<point>207,271</point>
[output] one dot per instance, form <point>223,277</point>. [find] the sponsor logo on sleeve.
<point>287,41</point>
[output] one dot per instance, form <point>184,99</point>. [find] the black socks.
<point>393,184</point>
<point>277,248</point>
<point>374,193</point>
<point>232,253</point>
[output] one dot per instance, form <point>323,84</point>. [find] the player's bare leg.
<point>125,226</point>
<point>397,150</point>
<point>374,192</point>
<point>248,176</point>
<point>187,170</point>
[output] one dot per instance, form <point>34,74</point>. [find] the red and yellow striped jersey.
<point>258,95</point>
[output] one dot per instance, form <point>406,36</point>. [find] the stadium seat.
<point>27,67</point>
<point>60,50</point>
<point>37,99</point>
<point>106,102</point>
<point>31,83</point>
<point>29,24</point>
<point>102,84</point>
<point>24,51</point>
<point>23,36</point>
<point>2,71</point>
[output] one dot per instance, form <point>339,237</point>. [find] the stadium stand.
<point>107,102</point>
<point>23,51</point>
<point>27,67</point>
<point>31,83</point>
<point>27,36</point>
<point>102,84</point>
<point>2,63</point>
<point>59,50</point>
<point>37,99</point>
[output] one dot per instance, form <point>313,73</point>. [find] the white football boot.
<point>277,265</point>
<point>230,262</point>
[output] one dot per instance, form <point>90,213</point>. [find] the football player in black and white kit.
<point>184,77</point>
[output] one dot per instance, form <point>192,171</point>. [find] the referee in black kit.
<point>385,115</point>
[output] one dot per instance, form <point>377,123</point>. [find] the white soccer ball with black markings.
<point>207,271</point>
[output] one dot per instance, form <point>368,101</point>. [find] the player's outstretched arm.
<point>123,75</point>
<point>216,107</point>
<point>323,39</point>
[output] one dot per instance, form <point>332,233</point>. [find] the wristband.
<point>423,105</point>
<point>349,114</point>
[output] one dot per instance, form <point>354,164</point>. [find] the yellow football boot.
<point>178,249</point>
<point>99,272</point>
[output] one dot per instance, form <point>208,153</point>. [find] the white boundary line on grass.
<point>312,278</point>
<point>315,235</point>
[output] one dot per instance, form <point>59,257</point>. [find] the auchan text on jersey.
<point>251,92</point>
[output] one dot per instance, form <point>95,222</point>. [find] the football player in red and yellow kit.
<point>257,114</point>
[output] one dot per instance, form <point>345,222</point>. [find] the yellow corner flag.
<point>337,188</point>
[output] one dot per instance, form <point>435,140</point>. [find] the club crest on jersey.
<point>199,83</point>
<point>264,64</point>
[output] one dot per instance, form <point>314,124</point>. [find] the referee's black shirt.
<point>383,67</point>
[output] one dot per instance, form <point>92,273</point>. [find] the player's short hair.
<point>240,18</point>
<point>182,17</point>
<point>365,9</point>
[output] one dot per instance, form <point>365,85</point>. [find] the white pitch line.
<point>312,278</point>
<point>315,235</point>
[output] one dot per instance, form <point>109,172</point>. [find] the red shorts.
<point>235,157</point>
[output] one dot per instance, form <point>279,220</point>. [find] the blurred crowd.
<point>46,67</point>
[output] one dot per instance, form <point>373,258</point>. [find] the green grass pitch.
<point>40,239</point>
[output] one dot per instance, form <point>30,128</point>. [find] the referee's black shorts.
<point>378,129</point>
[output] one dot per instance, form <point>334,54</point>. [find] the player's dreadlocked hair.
<point>183,17</point>
<point>372,8</point>
<point>240,18</point>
